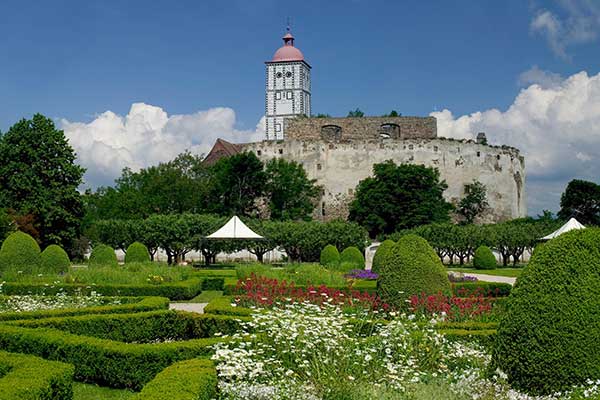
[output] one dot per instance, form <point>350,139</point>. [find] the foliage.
<point>549,338</point>
<point>356,114</point>
<point>411,267</point>
<point>19,252</point>
<point>103,255</point>
<point>299,274</point>
<point>137,252</point>
<point>380,254</point>
<point>329,255</point>
<point>484,258</point>
<point>6,225</point>
<point>392,113</point>
<point>39,176</point>
<point>194,379</point>
<point>581,199</point>
<point>31,303</point>
<point>399,197</point>
<point>289,191</point>
<point>55,260</point>
<point>454,308</point>
<point>474,203</point>
<point>487,289</point>
<point>353,256</point>
<point>33,378</point>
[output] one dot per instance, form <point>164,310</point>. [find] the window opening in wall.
<point>498,157</point>
<point>279,74</point>
<point>258,152</point>
<point>323,209</point>
<point>277,127</point>
<point>350,191</point>
<point>277,95</point>
<point>478,154</point>
<point>319,167</point>
<point>331,133</point>
<point>290,95</point>
<point>392,130</point>
<point>288,74</point>
<point>280,151</point>
<point>410,147</point>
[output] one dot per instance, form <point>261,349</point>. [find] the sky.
<point>135,83</point>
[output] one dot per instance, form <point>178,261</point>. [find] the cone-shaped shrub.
<point>21,252</point>
<point>549,338</point>
<point>55,260</point>
<point>137,252</point>
<point>352,255</point>
<point>330,255</point>
<point>484,258</point>
<point>383,248</point>
<point>103,255</point>
<point>410,267</point>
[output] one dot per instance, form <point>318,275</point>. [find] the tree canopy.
<point>581,199</point>
<point>474,203</point>
<point>399,197</point>
<point>39,178</point>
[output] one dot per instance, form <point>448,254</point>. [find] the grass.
<point>300,274</point>
<point>83,391</point>
<point>205,297</point>
<point>508,272</point>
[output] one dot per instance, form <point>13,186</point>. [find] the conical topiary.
<point>383,248</point>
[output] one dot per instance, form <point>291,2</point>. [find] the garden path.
<point>191,307</point>
<point>493,278</point>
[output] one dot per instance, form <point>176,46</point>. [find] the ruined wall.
<point>340,166</point>
<point>367,128</point>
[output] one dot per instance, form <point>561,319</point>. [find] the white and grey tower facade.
<point>288,88</point>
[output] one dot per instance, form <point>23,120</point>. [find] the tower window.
<point>277,127</point>
<point>319,167</point>
<point>258,152</point>
<point>288,74</point>
<point>279,74</point>
<point>478,154</point>
<point>280,151</point>
<point>277,95</point>
<point>289,95</point>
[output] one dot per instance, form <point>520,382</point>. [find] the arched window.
<point>391,130</point>
<point>331,133</point>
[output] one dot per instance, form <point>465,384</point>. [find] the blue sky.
<point>74,60</point>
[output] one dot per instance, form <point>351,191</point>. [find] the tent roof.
<point>234,229</point>
<point>569,226</point>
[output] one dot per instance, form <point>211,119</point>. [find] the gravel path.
<point>191,307</point>
<point>493,278</point>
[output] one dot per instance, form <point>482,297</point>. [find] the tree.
<point>392,113</point>
<point>399,197</point>
<point>474,203</point>
<point>320,115</point>
<point>356,114</point>
<point>38,176</point>
<point>236,183</point>
<point>291,195</point>
<point>581,199</point>
<point>6,225</point>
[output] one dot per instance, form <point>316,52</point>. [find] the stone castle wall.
<point>339,166</point>
<point>365,128</point>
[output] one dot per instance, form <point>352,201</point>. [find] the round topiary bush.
<point>329,255</point>
<point>484,258</point>
<point>103,255</point>
<point>352,255</point>
<point>383,248</point>
<point>55,260</point>
<point>21,252</point>
<point>410,267</point>
<point>549,338</point>
<point>137,252</point>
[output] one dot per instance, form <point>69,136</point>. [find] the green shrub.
<point>137,252</point>
<point>383,248</point>
<point>194,379</point>
<point>352,255</point>
<point>103,255</point>
<point>488,289</point>
<point>549,336</point>
<point>20,251</point>
<point>55,260</point>
<point>329,255</point>
<point>223,306</point>
<point>33,378</point>
<point>411,267</point>
<point>484,258</point>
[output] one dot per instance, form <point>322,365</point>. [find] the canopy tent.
<point>569,226</point>
<point>234,229</point>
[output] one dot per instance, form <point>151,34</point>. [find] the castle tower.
<point>288,88</point>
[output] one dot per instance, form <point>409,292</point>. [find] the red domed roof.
<point>288,52</point>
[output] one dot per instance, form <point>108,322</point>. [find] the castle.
<point>340,152</point>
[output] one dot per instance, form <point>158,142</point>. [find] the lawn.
<point>83,391</point>
<point>509,272</point>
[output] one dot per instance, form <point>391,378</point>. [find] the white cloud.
<point>537,76</point>
<point>556,128</point>
<point>146,136</point>
<point>580,24</point>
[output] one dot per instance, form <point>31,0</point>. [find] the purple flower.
<point>361,274</point>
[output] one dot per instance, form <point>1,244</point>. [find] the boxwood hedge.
<point>21,252</point>
<point>137,252</point>
<point>103,255</point>
<point>55,260</point>
<point>31,378</point>
<point>329,255</point>
<point>484,258</point>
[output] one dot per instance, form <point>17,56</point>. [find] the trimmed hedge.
<point>352,255</point>
<point>410,267</point>
<point>369,286</point>
<point>105,362</point>
<point>489,289</point>
<point>139,304</point>
<point>222,306</point>
<point>33,378</point>
<point>55,260</point>
<point>549,336</point>
<point>142,327</point>
<point>194,379</point>
<point>484,258</point>
<point>182,290</point>
<point>329,255</point>
<point>137,252</point>
<point>20,251</point>
<point>380,254</point>
<point>103,255</point>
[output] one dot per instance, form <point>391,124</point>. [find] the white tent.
<point>234,229</point>
<point>569,226</point>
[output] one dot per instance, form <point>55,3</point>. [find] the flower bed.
<point>454,308</point>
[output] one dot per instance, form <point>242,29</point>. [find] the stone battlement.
<point>337,130</point>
